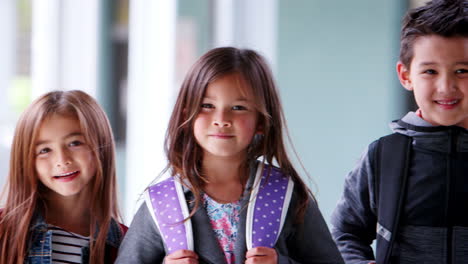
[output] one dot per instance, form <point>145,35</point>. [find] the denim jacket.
<point>40,243</point>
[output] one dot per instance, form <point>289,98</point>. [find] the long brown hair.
<point>185,155</point>
<point>24,192</point>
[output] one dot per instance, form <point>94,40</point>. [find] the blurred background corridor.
<point>334,62</point>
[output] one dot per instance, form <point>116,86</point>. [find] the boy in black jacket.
<point>415,202</point>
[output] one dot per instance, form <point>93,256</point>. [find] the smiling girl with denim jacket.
<point>61,187</point>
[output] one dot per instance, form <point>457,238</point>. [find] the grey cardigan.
<point>309,242</point>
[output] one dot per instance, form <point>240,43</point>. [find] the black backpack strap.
<point>391,173</point>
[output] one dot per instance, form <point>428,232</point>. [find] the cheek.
<point>201,119</point>
<point>422,94</point>
<point>464,86</point>
<point>90,166</point>
<point>199,125</point>
<point>90,160</point>
<point>249,125</point>
<point>41,166</point>
<point>85,158</point>
<point>92,169</point>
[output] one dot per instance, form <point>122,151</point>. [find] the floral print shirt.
<point>224,219</point>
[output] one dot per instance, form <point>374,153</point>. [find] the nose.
<point>222,119</point>
<point>62,158</point>
<point>447,84</point>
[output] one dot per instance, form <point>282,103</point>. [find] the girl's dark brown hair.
<point>185,155</point>
<point>24,191</point>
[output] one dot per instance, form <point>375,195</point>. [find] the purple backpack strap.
<point>268,206</point>
<point>168,207</point>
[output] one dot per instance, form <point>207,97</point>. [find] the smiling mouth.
<point>66,175</point>
<point>447,102</point>
<point>222,136</point>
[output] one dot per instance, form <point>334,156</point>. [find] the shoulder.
<point>143,215</point>
<point>166,186</point>
<point>115,233</point>
<point>142,243</point>
<point>390,145</point>
<point>143,226</point>
<point>115,236</point>
<point>161,183</point>
<point>266,171</point>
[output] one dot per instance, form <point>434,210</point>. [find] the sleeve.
<point>142,242</point>
<point>309,242</point>
<point>354,218</point>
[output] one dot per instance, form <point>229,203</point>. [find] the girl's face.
<point>227,121</point>
<point>64,162</point>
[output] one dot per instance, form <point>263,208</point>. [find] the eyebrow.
<point>426,63</point>
<point>73,134</point>
<point>433,63</point>
<point>238,99</point>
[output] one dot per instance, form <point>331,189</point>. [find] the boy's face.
<point>438,76</point>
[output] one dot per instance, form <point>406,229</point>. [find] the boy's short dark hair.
<point>447,18</point>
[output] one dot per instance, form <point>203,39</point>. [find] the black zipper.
<point>453,134</point>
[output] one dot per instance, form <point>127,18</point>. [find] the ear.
<point>404,76</point>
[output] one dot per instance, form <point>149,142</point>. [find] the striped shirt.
<point>66,246</point>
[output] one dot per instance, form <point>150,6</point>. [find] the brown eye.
<point>207,106</point>
<point>430,71</point>
<point>75,143</point>
<point>239,107</point>
<point>43,151</point>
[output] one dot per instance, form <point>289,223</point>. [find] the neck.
<point>226,177</point>
<point>221,169</point>
<point>71,213</point>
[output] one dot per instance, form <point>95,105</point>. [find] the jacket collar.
<point>114,235</point>
<point>442,139</point>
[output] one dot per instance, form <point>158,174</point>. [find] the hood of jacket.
<point>443,139</point>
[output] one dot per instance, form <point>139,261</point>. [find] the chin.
<point>445,122</point>
<point>463,124</point>
<point>68,193</point>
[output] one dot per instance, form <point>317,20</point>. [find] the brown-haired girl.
<point>61,204</point>
<point>226,118</point>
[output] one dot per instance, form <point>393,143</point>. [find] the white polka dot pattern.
<point>268,208</point>
<point>169,215</point>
